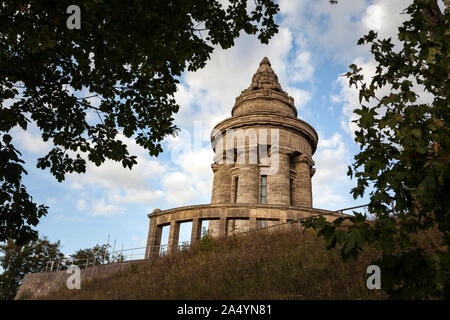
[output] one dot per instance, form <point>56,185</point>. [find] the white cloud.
<point>349,96</point>
<point>31,140</point>
<point>331,167</point>
<point>138,196</point>
<point>335,29</point>
<point>331,29</point>
<point>330,160</point>
<point>373,19</point>
<point>197,163</point>
<point>100,208</point>
<point>384,17</point>
<point>191,176</point>
<point>303,67</point>
<point>180,189</point>
<point>301,98</point>
<point>112,176</point>
<point>76,186</point>
<point>118,185</point>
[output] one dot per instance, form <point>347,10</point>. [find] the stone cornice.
<point>270,120</point>
<point>265,95</point>
<point>304,158</point>
<point>241,205</point>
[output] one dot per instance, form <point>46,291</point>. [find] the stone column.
<point>153,240</point>
<point>302,183</point>
<point>248,178</point>
<point>278,184</point>
<point>222,227</point>
<point>196,230</point>
<point>174,233</point>
<point>252,223</point>
<point>221,192</point>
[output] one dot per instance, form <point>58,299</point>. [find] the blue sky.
<point>315,44</point>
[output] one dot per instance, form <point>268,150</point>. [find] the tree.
<point>92,256</point>
<point>17,261</point>
<point>127,54</point>
<point>404,159</point>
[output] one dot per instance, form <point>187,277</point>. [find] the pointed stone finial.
<point>265,61</point>
<point>265,77</point>
<point>264,87</point>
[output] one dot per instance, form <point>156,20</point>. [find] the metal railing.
<point>340,211</point>
<point>122,255</point>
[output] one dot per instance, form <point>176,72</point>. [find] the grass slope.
<point>283,264</point>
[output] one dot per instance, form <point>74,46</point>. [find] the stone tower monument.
<point>262,168</point>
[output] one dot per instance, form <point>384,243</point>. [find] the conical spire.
<point>265,77</point>
<point>264,88</point>
<point>265,60</point>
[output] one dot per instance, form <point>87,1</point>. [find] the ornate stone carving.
<point>264,94</point>
<point>264,78</point>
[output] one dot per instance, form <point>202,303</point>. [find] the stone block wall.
<point>43,283</point>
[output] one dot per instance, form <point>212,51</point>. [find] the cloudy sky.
<point>315,44</point>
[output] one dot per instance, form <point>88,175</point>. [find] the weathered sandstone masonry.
<point>262,168</point>
<point>40,284</point>
<point>229,218</point>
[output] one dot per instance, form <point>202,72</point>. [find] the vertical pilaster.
<point>221,192</point>
<point>302,183</point>
<point>248,189</point>
<point>278,183</point>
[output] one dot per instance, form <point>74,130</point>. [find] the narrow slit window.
<point>291,193</point>
<point>263,189</point>
<point>236,186</point>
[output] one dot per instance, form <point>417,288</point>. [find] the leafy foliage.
<point>206,242</point>
<point>127,55</point>
<point>404,159</point>
<point>91,256</point>
<point>17,261</point>
<point>17,210</point>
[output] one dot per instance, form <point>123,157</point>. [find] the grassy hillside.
<point>287,264</point>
